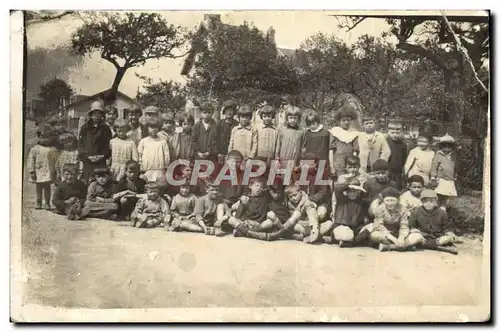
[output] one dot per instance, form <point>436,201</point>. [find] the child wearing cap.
<point>100,193</point>
<point>151,113</point>
<point>205,135</point>
<point>128,189</point>
<point>69,196</point>
<point>184,140</point>
<point>419,160</point>
<point>182,210</point>
<point>343,141</point>
<point>210,211</point>
<point>399,151</point>
<point>375,185</point>
<point>443,171</point>
<point>429,224</point>
<point>289,137</point>
<point>372,145</point>
<point>266,135</point>
<point>225,127</point>
<point>41,165</point>
<point>93,142</point>
<point>137,130</point>
<point>349,212</point>
<point>154,154</point>
<point>111,114</point>
<point>390,227</point>
<point>69,155</point>
<point>316,139</point>
<point>411,199</point>
<point>123,149</point>
<point>167,132</point>
<point>152,210</point>
<point>244,136</point>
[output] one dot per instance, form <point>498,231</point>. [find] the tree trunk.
<point>111,96</point>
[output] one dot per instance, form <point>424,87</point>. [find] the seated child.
<point>210,211</point>
<point>182,210</point>
<point>232,193</point>
<point>69,155</point>
<point>349,215</point>
<point>429,224</point>
<point>129,189</point>
<point>411,198</point>
<point>69,196</point>
<point>100,196</point>
<point>352,171</point>
<point>304,220</point>
<point>390,227</point>
<point>375,185</point>
<point>152,210</point>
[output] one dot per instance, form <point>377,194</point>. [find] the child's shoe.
<point>298,236</point>
<point>344,244</point>
<point>47,207</point>
<point>38,206</point>
<point>383,247</point>
<point>327,239</point>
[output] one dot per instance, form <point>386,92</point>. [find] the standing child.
<point>443,171</point>
<point>343,141</point>
<point>151,113</point>
<point>349,214</point>
<point>210,211</point>
<point>42,166</point>
<point>167,133</point>
<point>184,140</point>
<point>137,131</point>
<point>205,135</point>
<point>419,161</point>
<point>111,113</point>
<point>429,224</point>
<point>182,210</point>
<point>399,151</point>
<point>69,155</point>
<point>128,190</point>
<point>58,124</point>
<point>154,156</point>
<point>316,140</point>
<point>411,198</point>
<point>376,185</point>
<point>151,211</point>
<point>100,199</point>
<point>244,136</point>
<point>372,145</point>
<point>69,196</point>
<point>225,127</point>
<point>267,135</point>
<point>123,150</point>
<point>289,138</point>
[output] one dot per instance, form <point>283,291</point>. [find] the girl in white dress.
<point>154,155</point>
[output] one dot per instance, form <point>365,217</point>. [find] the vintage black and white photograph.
<point>250,166</point>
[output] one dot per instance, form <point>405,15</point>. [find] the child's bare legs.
<point>312,217</point>
<point>189,226</point>
<point>414,238</point>
<point>221,218</point>
<point>343,234</point>
<point>39,195</point>
<point>364,234</point>
<point>322,213</point>
<point>46,194</point>
<point>153,222</point>
<point>380,237</point>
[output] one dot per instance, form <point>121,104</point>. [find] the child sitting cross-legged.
<point>411,198</point>
<point>69,196</point>
<point>349,214</point>
<point>182,210</point>
<point>429,226</point>
<point>129,189</point>
<point>375,185</point>
<point>210,211</point>
<point>152,210</point>
<point>100,199</point>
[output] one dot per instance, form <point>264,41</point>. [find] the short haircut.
<point>416,178</point>
<point>122,124</point>
<point>211,185</point>
<point>67,138</point>
<point>291,188</point>
<point>369,118</point>
<point>56,119</point>
<point>352,161</point>
<point>395,124</point>
<point>380,165</point>
<point>259,179</point>
<point>207,107</point>
<point>235,153</point>
<point>132,164</point>
<point>167,118</point>
<point>102,171</point>
<point>346,112</point>
<point>267,110</point>
<point>312,117</point>
<point>426,135</point>
<point>70,168</point>
<point>153,123</point>
<point>152,186</point>
<point>185,118</point>
<point>111,109</point>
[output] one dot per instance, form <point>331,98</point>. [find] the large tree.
<point>167,95</point>
<point>53,93</point>
<point>128,40</point>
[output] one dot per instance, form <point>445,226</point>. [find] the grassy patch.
<point>467,214</point>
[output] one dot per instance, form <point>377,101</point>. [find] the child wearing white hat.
<point>443,170</point>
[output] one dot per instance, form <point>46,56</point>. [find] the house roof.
<point>101,95</point>
<point>286,52</point>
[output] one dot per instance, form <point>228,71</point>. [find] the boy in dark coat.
<point>399,152</point>
<point>70,194</point>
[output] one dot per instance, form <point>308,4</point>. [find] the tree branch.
<point>416,49</point>
<point>354,24</point>
<point>106,56</point>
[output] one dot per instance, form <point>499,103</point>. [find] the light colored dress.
<point>42,161</point>
<point>122,151</point>
<point>67,157</point>
<point>343,143</point>
<point>409,202</point>
<point>154,158</point>
<point>419,162</point>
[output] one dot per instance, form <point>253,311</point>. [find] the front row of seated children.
<point>372,211</point>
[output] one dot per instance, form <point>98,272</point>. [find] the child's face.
<point>184,190</point>
<point>153,194</point>
<point>186,172</point>
<point>382,176</point>
<point>256,188</point>
<point>353,194</point>
<point>429,203</point>
<point>212,193</point>
<point>308,166</point>
<point>313,126</point>
<point>131,173</point>
<point>121,133</point>
<point>96,116</point>
<point>153,131</point>
<point>369,126</point>
<point>245,120</point>
<point>110,117</point>
<point>295,197</point>
<point>59,127</point>
<point>167,126</point>
<point>69,177</point>
<point>102,179</point>
<point>446,148</point>
<point>236,160</point>
<point>422,143</point>
<point>69,146</point>
<point>394,133</point>
<point>186,126</point>
<point>229,113</point>
<point>205,115</point>
<point>416,188</point>
<point>345,122</point>
<point>391,203</point>
<point>267,119</point>
<point>293,120</point>
<point>276,194</point>
<point>134,118</point>
<point>151,116</point>
<point>351,169</point>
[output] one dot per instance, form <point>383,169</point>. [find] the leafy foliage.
<point>166,95</point>
<point>53,92</point>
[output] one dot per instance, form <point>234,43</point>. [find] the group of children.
<point>116,169</point>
